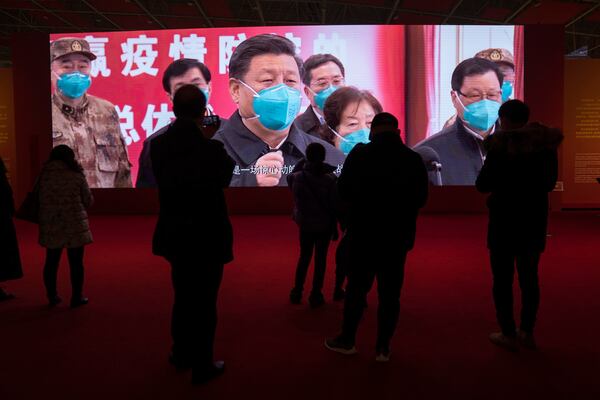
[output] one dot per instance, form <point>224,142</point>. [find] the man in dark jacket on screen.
<point>385,184</point>
<point>193,231</point>
<point>519,171</point>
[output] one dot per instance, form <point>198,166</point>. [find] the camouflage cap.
<point>497,56</point>
<point>69,45</point>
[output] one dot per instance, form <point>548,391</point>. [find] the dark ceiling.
<point>581,18</point>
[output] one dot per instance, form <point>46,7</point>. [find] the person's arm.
<point>486,180</point>
<point>421,183</point>
<point>290,180</point>
<point>86,194</point>
<point>145,178</point>
<point>346,182</point>
<point>227,166</point>
<point>155,160</point>
<point>550,170</point>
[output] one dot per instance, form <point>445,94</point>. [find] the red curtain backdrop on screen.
<point>390,55</point>
<point>519,58</point>
<point>420,81</point>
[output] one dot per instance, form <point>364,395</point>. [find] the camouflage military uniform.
<point>92,130</point>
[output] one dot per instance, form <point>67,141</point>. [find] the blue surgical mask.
<point>206,94</point>
<point>322,96</point>
<point>73,84</point>
<point>482,114</point>
<point>507,89</point>
<point>276,107</point>
<point>348,142</point>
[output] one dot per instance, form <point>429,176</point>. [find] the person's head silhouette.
<point>315,153</point>
<point>514,114</point>
<point>189,103</point>
<point>384,123</point>
<point>64,153</point>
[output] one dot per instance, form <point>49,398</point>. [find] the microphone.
<point>431,159</point>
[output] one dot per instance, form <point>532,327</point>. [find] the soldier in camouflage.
<point>87,124</point>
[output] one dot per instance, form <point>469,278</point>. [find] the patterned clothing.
<point>92,130</point>
<point>64,197</point>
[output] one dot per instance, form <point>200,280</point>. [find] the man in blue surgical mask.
<point>323,75</point>
<point>265,82</point>
<point>87,124</point>
<point>476,96</point>
<point>505,61</point>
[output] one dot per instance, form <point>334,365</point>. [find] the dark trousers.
<point>319,241</point>
<point>194,318</point>
<point>503,267</point>
<point>75,256</point>
<point>342,261</point>
<point>388,269</point>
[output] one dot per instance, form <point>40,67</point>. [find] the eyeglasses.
<point>325,83</point>
<point>478,96</point>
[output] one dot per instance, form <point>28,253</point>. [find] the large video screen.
<point>271,91</point>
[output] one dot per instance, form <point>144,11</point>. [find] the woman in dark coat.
<point>10,260</point>
<point>64,198</point>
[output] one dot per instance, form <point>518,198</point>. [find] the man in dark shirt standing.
<point>520,170</point>
<point>264,82</point>
<point>384,184</point>
<point>193,231</point>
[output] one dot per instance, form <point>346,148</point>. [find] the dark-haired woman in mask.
<point>64,197</point>
<point>348,114</point>
<point>10,260</point>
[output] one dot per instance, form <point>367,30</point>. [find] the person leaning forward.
<point>87,124</point>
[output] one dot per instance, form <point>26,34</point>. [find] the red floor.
<point>116,347</point>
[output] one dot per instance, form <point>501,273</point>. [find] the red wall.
<point>544,55</point>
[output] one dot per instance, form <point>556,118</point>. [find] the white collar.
<point>477,135</point>
<point>319,116</point>
<point>280,144</point>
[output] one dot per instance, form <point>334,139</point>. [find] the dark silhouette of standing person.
<point>64,196</point>
<point>520,169</point>
<point>385,184</point>
<point>193,231</point>
<point>10,259</point>
<point>313,186</point>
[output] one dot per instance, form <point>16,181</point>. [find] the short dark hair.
<point>64,153</point>
<point>514,111</point>
<point>267,43</point>
<point>180,67</point>
<point>337,102</point>
<point>315,61</point>
<point>384,119</point>
<point>315,152</point>
<point>474,66</point>
<point>189,102</point>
